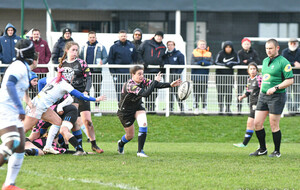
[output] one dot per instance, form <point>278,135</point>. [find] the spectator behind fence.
<point>58,49</point>
<point>42,47</point>
<point>174,57</point>
<point>292,54</point>
<point>152,52</point>
<point>7,46</point>
<point>137,38</point>
<point>203,57</point>
<point>247,55</point>
<point>224,77</point>
<point>94,53</point>
<point>122,52</point>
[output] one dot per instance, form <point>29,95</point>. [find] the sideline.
<point>115,185</point>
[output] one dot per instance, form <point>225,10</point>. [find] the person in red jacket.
<point>42,47</point>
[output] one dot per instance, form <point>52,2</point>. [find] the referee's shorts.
<point>273,103</point>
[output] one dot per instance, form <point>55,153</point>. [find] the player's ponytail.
<point>59,68</point>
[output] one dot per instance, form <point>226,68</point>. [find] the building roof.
<point>161,5</point>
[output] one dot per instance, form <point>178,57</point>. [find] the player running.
<point>82,82</point>
<point>14,86</point>
<point>132,108</point>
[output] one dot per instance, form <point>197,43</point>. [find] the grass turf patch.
<point>185,153</point>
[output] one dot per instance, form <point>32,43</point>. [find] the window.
<point>84,26</point>
<point>278,30</point>
<point>147,27</point>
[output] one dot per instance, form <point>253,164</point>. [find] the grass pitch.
<point>185,153</point>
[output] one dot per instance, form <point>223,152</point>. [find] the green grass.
<point>185,153</point>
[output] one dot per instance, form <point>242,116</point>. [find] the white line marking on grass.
<point>121,186</point>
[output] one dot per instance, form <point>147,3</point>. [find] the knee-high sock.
<point>142,138</point>
<point>248,136</point>
<point>13,168</point>
<point>84,130</point>
<point>78,136</point>
<point>51,135</point>
<point>277,140</point>
<point>123,141</point>
<point>73,141</point>
<point>261,135</point>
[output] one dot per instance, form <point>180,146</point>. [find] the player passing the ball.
<point>132,108</point>
<point>252,91</point>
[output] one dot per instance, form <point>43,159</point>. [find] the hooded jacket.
<point>121,54</point>
<point>152,53</point>
<point>227,60</point>
<point>137,43</point>
<point>7,45</point>
<point>175,58</point>
<point>58,49</point>
<point>42,47</point>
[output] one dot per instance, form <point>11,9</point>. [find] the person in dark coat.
<point>152,52</point>
<point>292,54</point>
<point>224,77</point>
<point>137,38</point>
<point>121,53</point>
<point>7,45</point>
<point>58,49</point>
<point>247,55</point>
<point>174,57</point>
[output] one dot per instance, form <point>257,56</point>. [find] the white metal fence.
<point>218,94</point>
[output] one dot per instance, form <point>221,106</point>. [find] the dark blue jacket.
<point>292,56</point>
<point>58,49</point>
<point>175,58</point>
<point>7,45</point>
<point>152,53</point>
<point>121,54</point>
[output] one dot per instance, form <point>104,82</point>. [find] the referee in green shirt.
<point>277,76</point>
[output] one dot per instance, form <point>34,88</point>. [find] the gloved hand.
<point>229,65</point>
<point>161,66</point>
<point>145,66</point>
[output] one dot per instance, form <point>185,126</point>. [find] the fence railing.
<point>211,94</point>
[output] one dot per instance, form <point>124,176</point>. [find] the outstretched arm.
<point>82,96</point>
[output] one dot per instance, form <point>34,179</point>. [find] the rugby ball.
<point>184,90</point>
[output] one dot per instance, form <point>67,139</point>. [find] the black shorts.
<point>70,114</point>
<point>83,105</point>
<point>127,118</point>
<point>252,110</point>
<point>273,103</point>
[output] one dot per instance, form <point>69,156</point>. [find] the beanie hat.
<point>246,39</point>
<point>159,33</point>
<point>33,75</point>
<point>67,30</point>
